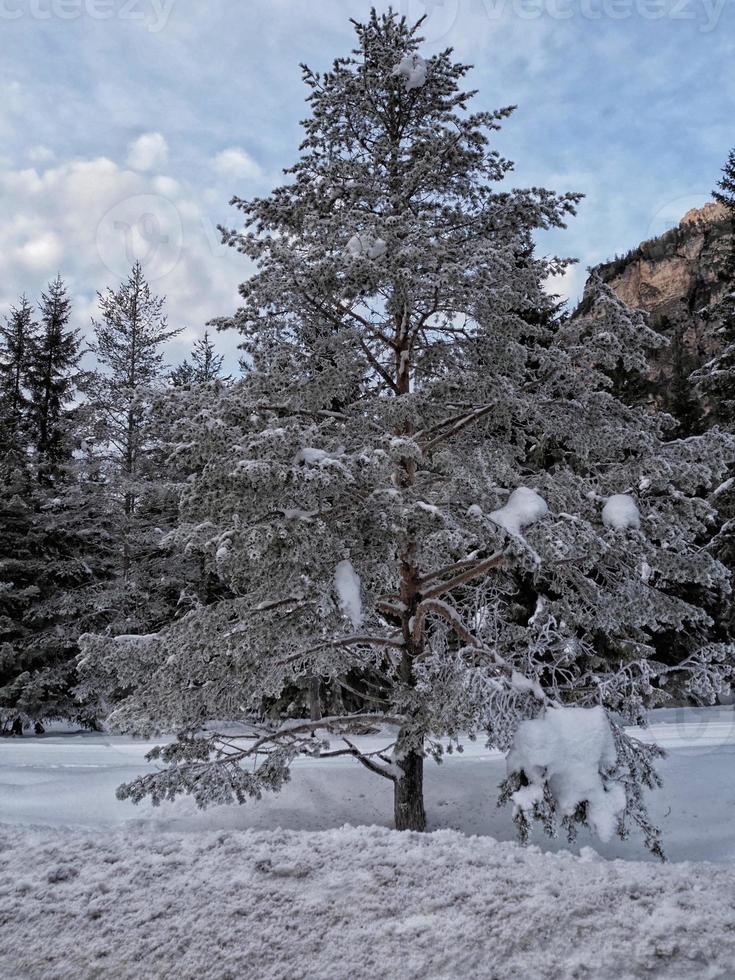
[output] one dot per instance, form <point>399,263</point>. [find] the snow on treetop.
<point>413,69</point>
<point>569,749</point>
<point>621,513</point>
<point>524,507</point>
<point>347,584</point>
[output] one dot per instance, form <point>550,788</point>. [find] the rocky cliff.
<point>678,278</point>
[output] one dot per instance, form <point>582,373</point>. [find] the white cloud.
<point>148,152</point>
<point>41,154</point>
<point>90,219</point>
<point>41,253</point>
<point>236,162</point>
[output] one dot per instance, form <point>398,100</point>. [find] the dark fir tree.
<point>55,551</point>
<point>716,379</point>
<point>17,338</point>
<point>725,190</point>
<point>52,379</point>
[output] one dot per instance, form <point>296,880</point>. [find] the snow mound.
<point>569,749</point>
<point>347,584</point>
<point>524,507</point>
<point>362,902</point>
<point>621,513</point>
<point>413,69</point>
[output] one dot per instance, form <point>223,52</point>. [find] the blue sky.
<point>127,125</point>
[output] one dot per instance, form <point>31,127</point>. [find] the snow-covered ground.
<point>90,886</point>
<point>357,902</point>
<point>69,780</point>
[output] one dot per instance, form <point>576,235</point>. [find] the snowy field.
<point>92,887</point>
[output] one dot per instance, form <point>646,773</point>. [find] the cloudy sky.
<point>127,125</point>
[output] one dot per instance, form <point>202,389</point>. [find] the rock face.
<point>678,271</point>
<point>678,278</point>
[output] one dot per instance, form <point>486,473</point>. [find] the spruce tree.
<point>715,380</point>
<point>206,364</point>
<point>55,551</point>
<point>52,379</point>
<point>17,338</point>
<point>423,490</point>
<point>128,339</point>
<point>54,561</point>
<point>725,190</point>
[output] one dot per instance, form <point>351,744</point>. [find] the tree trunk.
<point>408,796</point>
<point>315,700</point>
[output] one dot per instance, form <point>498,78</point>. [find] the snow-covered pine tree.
<point>205,366</point>
<point>128,344</point>
<point>421,491</point>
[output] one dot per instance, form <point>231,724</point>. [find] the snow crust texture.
<point>357,902</point>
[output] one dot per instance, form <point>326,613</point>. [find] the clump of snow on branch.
<point>567,753</point>
<point>309,456</point>
<point>347,584</point>
<point>621,513</point>
<point>524,508</point>
<point>413,69</point>
<point>364,246</point>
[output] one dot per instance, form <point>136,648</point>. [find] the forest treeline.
<point>87,493</point>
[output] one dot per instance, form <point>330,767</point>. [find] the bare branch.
<point>458,426</point>
<point>368,763</point>
<point>347,641</point>
<point>480,569</point>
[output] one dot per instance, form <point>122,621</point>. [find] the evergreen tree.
<point>725,190</point>
<point>716,379</point>
<point>206,366</point>
<point>423,490</point>
<point>52,378</point>
<point>129,336</point>
<point>17,339</point>
<point>54,556</point>
<point>715,382</point>
<point>54,552</point>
